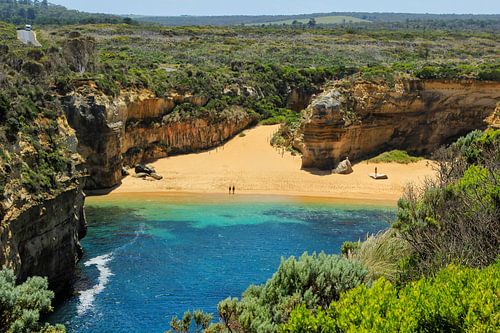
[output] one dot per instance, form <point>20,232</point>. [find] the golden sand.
<point>254,167</point>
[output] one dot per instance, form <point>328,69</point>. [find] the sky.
<point>276,7</point>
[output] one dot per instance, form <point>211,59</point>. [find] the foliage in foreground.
<point>457,300</point>
<point>395,156</point>
<point>197,319</point>
<point>456,218</point>
<point>21,306</point>
<point>313,280</point>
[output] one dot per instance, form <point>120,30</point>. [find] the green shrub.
<point>314,280</point>
<point>348,248</point>
<point>198,320</point>
<point>395,156</point>
<point>456,300</point>
<point>468,147</point>
<point>456,217</point>
<point>21,306</point>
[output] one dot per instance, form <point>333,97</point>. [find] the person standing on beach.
<point>229,189</point>
<point>376,170</point>
<point>233,189</point>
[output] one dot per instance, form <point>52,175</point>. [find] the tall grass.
<point>381,254</point>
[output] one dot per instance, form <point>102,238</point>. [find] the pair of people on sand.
<point>231,189</point>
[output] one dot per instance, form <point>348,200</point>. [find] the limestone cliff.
<point>115,132</point>
<point>42,238</point>
<point>359,119</point>
<point>40,227</point>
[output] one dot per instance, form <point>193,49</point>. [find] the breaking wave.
<point>87,297</point>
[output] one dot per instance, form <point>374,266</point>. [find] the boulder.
<point>140,168</point>
<point>141,175</point>
<point>344,167</point>
<point>156,176</point>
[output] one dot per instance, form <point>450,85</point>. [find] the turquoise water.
<point>149,259</point>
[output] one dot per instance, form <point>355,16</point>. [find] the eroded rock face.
<point>136,126</point>
<point>364,118</point>
<point>42,239</point>
<point>79,52</point>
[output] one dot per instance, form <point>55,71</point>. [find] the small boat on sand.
<point>378,176</point>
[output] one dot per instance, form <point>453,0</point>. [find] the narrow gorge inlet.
<point>280,173</point>
<point>148,258</point>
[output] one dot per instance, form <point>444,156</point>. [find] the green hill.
<point>43,12</point>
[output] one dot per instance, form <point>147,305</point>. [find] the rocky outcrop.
<point>136,126</point>
<point>494,119</point>
<point>42,238</point>
<point>79,52</point>
<point>359,119</point>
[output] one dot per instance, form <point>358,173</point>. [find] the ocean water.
<point>148,259</point>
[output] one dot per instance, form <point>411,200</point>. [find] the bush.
<point>395,156</point>
<point>199,320</point>
<point>456,218</point>
<point>21,306</point>
<point>456,300</point>
<point>314,280</point>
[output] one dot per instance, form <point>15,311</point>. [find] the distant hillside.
<point>42,12</point>
<point>337,19</point>
<point>321,18</point>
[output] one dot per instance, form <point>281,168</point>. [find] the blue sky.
<point>273,7</point>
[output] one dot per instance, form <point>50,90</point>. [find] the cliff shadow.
<point>317,172</point>
<point>101,192</point>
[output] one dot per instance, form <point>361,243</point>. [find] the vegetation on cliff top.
<point>273,70</point>
<point>351,19</point>
<point>35,141</point>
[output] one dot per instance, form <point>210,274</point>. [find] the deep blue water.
<point>147,260</point>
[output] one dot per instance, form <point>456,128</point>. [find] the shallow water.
<point>151,258</point>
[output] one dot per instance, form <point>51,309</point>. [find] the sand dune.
<point>255,167</point>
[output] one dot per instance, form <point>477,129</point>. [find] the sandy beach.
<point>253,166</point>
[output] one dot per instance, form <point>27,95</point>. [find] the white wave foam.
<point>87,297</point>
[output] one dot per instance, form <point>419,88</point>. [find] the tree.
<point>312,23</point>
<point>30,14</point>
<point>21,13</point>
